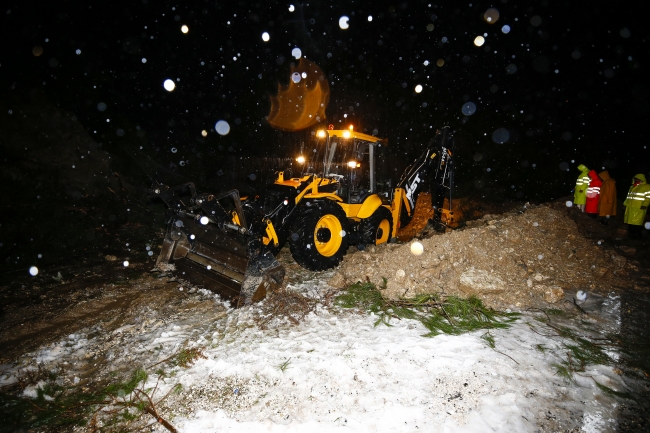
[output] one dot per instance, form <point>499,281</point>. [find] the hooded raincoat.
<point>593,192</point>
<point>580,195</point>
<point>607,205</point>
<point>637,201</point>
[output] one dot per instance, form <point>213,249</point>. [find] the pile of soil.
<point>526,257</point>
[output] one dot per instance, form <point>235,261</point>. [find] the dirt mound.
<point>528,256</point>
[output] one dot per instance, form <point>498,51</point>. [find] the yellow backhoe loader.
<point>228,244</point>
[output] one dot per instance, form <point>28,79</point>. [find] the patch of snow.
<point>336,371</point>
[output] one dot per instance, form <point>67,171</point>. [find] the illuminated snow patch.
<point>169,85</point>
<point>204,220</point>
<point>185,29</point>
<point>344,22</point>
<point>505,29</point>
<point>418,88</point>
<point>296,53</point>
<point>292,8</point>
<point>266,37</point>
<point>125,263</point>
<point>33,271</point>
<point>479,41</point>
<point>295,77</point>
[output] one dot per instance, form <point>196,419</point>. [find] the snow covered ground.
<point>335,371</point>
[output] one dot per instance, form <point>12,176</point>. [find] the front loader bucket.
<point>222,261</point>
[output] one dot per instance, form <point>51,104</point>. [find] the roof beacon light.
<point>351,128</point>
<point>321,133</point>
<point>300,159</point>
<point>352,164</point>
<point>346,134</point>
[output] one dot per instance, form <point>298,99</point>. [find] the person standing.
<point>636,205</point>
<point>593,194</point>
<point>580,194</point>
<point>607,204</point>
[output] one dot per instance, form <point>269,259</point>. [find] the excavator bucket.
<point>210,251</point>
<point>422,213</point>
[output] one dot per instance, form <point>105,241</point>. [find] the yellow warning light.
<point>321,133</point>
<point>300,159</point>
<point>346,134</point>
<point>352,164</point>
<point>351,127</point>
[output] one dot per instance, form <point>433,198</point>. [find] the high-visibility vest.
<point>638,196</point>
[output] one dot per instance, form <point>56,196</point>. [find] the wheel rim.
<point>327,235</point>
<point>383,231</point>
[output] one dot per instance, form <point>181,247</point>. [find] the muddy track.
<point>43,311</point>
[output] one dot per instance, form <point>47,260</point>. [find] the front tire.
<point>319,239</point>
<point>376,229</point>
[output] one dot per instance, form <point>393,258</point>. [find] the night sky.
<point>553,85</point>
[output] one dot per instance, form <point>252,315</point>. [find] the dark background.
<point>86,124</point>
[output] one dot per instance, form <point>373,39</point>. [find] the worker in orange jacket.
<point>607,204</point>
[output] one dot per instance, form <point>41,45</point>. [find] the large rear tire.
<point>319,239</point>
<point>377,228</point>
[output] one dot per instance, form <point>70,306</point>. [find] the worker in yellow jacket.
<point>636,205</point>
<point>580,194</point>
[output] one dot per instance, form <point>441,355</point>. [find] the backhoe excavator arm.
<point>430,173</point>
